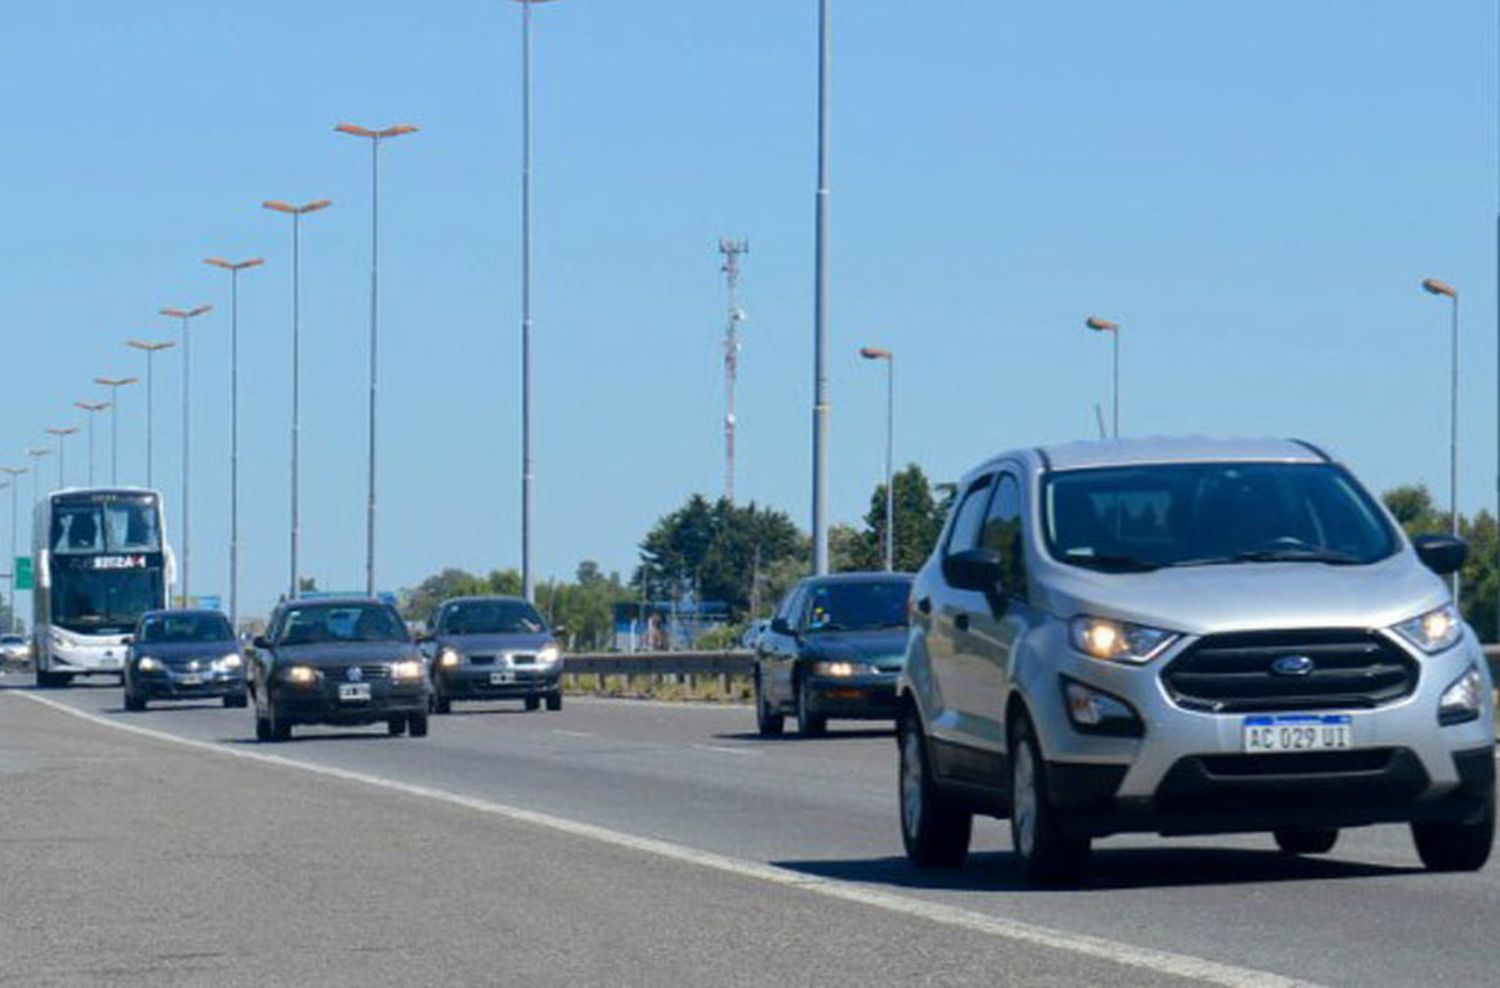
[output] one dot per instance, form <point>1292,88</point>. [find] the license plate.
<point>193,680</point>
<point>502,678</point>
<point>109,661</point>
<point>354,692</point>
<point>1298,732</point>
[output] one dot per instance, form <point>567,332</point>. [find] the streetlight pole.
<point>234,268</point>
<point>375,138</point>
<point>186,315</point>
<point>151,350</point>
<point>91,407</point>
<point>1113,329</point>
<point>875,353</point>
<point>528,476</point>
<point>61,434</point>
<point>36,453</point>
<point>296,213</point>
<point>1434,287</point>
<point>820,300</point>
<point>15,483</point>
<point>114,384</point>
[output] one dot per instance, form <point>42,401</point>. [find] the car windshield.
<point>173,628</point>
<point>858,606</point>
<point>491,617</point>
<point>1143,518</point>
<point>342,623</point>
<point>12,640</point>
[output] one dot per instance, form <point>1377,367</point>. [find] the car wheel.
<point>281,731</point>
<point>416,724</point>
<point>235,701</point>
<point>935,828</point>
<point>1306,841</point>
<point>533,702</point>
<point>441,704</point>
<point>262,728</point>
<point>770,723</point>
<point>133,702</point>
<point>1456,846</point>
<point>396,726</point>
<point>809,724</point>
<point>45,680</point>
<point>554,701</point>
<point>1046,853</point>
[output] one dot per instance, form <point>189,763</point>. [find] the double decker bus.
<point>101,562</point>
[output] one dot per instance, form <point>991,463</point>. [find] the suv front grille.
<point>1232,673</point>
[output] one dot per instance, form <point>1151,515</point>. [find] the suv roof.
<point>1084,455</point>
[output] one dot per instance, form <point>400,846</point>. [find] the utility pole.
<point>731,249</point>
<point>820,298</point>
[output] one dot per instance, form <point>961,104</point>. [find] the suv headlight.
<point>843,670</point>
<point>1118,641</point>
<point>229,663</point>
<point>1463,699</point>
<point>148,664</point>
<point>406,670</point>
<point>448,658</point>
<point>1434,631</point>
<point>548,655</point>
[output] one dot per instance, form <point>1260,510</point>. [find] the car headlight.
<point>229,663</point>
<point>1434,631</point>
<point>548,655</point>
<point>1463,700</point>
<point>406,670</point>
<point>301,675</point>
<point>842,669</point>
<point>1119,641</point>
<point>448,658</point>
<point>148,664</point>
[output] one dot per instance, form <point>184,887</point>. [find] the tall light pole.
<point>15,483</point>
<point>186,315</point>
<point>820,299</point>
<point>1434,287</point>
<point>1113,329</point>
<point>91,407</point>
<point>875,353</point>
<point>151,349</point>
<point>114,384</point>
<point>234,268</point>
<point>36,453</point>
<point>296,213</point>
<point>62,433</point>
<point>375,138</point>
<point>528,475</point>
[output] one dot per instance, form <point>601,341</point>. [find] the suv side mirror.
<point>1443,554</point>
<point>261,643</point>
<point>780,626</point>
<point>974,569</point>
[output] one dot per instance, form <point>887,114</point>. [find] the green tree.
<point>1478,582</point>
<point>918,521</point>
<point>417,603</point>
<point>716,550</point>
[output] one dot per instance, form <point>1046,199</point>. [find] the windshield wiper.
<point>1332,558</point>
<point>1114,564</point>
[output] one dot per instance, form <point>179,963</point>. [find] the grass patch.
<point>697,689</point>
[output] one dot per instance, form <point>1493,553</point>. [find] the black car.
<point>493,648</point>
<point>834,649</point>
<point>345,661</point>
<point>184,655</point>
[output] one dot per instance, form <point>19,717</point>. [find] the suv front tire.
<point>935,828</point>
<point>1046,853</point>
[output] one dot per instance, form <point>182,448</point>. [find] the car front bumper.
<point>320,704</point>
<point>853,697</point>
<point>485,682</point>
<point>178,686</point>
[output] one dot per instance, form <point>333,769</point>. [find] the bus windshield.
<point>88,527</point>
<point>104,601</point>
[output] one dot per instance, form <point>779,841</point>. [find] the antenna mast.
<point>731,249</point>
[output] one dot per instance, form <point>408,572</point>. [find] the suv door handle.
<point>925,605</point>
<point>961,622</point>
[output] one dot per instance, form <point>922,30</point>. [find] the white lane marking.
<point>725,750</point>
<point>1146,958</point>
<point>572,734</point>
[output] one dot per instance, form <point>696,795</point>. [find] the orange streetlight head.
<point>286,207</point>
<point>395,130</point>
<point>115,382</point>
<point>56,431</point>
<point>15,471</point>
<point>1435,287</point>
<point>219,262</point>
<point>187,313</point>
<point>37,452</point>
<point>91,406</point>
<point>874,353</point>
<point>1102,325</point>
<point>151,347</point>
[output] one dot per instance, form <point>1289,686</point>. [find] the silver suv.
<point>1188,637</point>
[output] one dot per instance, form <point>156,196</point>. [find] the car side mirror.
<point>261,642</point>
<point>1443,554</point>
<point>974,569</point>
<point>780,626</point>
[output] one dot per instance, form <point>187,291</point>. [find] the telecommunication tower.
<point>731,249</point>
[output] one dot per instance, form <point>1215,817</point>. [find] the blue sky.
<point>1253,191</point>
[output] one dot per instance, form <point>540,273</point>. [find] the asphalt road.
<point>621,842</point>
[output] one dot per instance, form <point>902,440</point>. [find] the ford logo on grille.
<point>355,674</point>
<point>1293,665</point>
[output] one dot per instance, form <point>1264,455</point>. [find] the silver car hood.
<point>1251,596</point>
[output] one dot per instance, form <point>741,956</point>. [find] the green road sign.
<point>25,579</point>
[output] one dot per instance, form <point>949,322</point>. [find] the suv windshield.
<point>171,628</point>
<point>490,617</point>
<point>1199,514</point>
<point>342,623</point>
<point>858,606</point>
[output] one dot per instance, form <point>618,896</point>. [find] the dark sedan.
<point>184,655</point>
<point>337,661</point>
<point>493,648</point>
<point>834,649</point>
